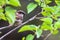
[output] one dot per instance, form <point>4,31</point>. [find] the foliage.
<point>31,7</point>
<point>30,37</point>
<point>8,13</point>
<point>29,27</point>
<point>50,14</point>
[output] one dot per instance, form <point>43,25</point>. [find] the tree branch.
<point>47,36</point>
<point>40,17</point>
<point>6,27</point>
<point>18,26</point>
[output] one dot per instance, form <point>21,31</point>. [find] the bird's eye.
<point>21,12</point>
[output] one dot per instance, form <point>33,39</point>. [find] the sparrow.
<point>19,17</point>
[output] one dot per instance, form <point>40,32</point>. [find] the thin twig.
<point>40,17</point>
<point>47,36</point>
<point>5,27</point>
<point>18,26</point>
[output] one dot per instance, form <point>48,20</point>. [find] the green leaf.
<point>57,11</point>
<point>23,38</point>
<point>14,2</point>
<point>47,1</point>
<point>57,25</point>
<point>45,13</point>
<point>2,16</point>
<point>31,7</point>
<point>57,14</point>
<point>38,1</point>
<point>47,20</point>
<point>1,10</point>
<point>27,27</point>
<point>55,32</point>
<point>49,9</point>
<point>44,26</point>
<point>54,17</point>
<point>7,1</point>
<point>38,32</point>
<point>43,5</point>
<point>2,2</point>
<point>10,14</point>
<point>57,2</point>
<point>30,37</point>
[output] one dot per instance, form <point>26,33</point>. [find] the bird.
<point>19,17</point>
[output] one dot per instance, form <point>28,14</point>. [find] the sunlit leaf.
<point>27,27</point>
<point>23,38</point>
<point>58,14</point>
<point>57,25</point>
<point>2,16</point>
<point>45,26</point>
<point>47,1</point>
<point>2,2</point>
<point>57,11</point>
<point>38,32</point>
<point>54,17</point>
<point>57,2</point>
<point>45,13</point>
<point>31,7</point>
<point>10,14</point>
<point>7,1</point>
<point>14,2</point>
<point>47,20</point>
<point>49,9</point>
<point>38,1</point>
<point>55,32</point>
<point>1,10</point>
<point>30,37</point>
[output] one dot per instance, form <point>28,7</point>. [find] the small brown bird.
<point>19,17</point>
